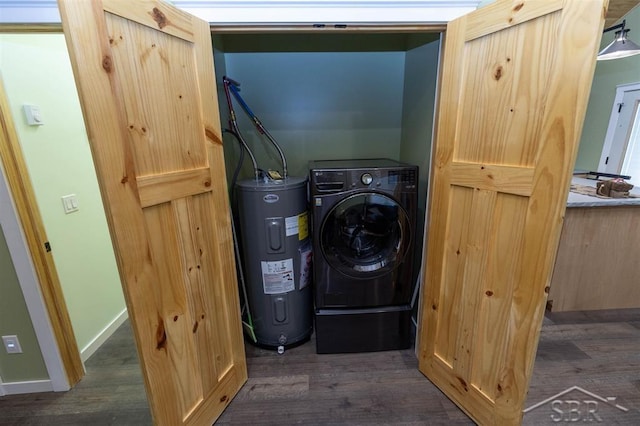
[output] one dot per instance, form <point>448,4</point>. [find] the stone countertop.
<point>580,200</point>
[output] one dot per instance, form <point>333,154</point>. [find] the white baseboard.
<point>102,337</point>
<point>32,386</point>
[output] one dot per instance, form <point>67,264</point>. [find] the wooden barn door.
<point>145,75</point>
<point>515,83</point>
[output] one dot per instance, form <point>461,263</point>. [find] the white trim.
<point>32,386</point>
<point>28,280</point>
<point>327,12</point>
<point>621,89</point>
<point>102,337</point>
<point>276,11</point>
<point>42,12</point>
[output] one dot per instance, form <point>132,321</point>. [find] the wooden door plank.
<point>151,114</point>
<point>440,200</point>
<point>223,298</point>
<point>512,102</point>
<point>190,242</point>
<point>164,187</point>
<point>174,354</point>
<point>494,17</point>
<point>154,14</point>
<point>474,276</point>
<point>509,94</point>
<point>455,254</point>
<point>505,241</point>
<point>512,180</point>
<point>150,106</point>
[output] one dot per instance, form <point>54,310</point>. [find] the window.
<point>621,150</point>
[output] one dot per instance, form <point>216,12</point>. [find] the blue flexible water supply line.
<point>233,87</point>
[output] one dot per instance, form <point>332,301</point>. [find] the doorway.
<point>621,150</point>
<point>44,163</point>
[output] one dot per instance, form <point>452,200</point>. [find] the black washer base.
<point>363,330</point>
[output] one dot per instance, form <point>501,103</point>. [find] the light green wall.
<point>321,105</point>
<point>420,82</point>
<point>36,70</point>
<point>608,75</point>
<point>328,104</point>
<point>15,320</point>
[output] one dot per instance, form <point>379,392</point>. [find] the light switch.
<point>33,115</point>
<point>70,203</point>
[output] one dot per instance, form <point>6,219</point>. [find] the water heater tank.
<point>276,257</point>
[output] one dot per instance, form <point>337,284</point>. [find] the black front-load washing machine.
<point>364,223</point>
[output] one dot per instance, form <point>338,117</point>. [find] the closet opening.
<point>328,95</point>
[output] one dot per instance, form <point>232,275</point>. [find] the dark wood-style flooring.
<point>597,352</point>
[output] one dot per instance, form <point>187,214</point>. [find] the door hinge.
<point>620,105</point>
<point>47,246</point>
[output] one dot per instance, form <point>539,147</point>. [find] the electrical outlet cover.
<point>12,344</point>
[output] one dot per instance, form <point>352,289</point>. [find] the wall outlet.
<point>12,344</point>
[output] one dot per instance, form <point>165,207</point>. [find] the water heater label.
<point>277,277</point>
<point>291,223</point>
<point>305,266</point>
<point>298,224</point>
<point>303,226</point>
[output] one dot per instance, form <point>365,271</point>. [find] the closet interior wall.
<point>331,96</point>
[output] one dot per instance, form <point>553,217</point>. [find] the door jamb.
<point>25,272</point>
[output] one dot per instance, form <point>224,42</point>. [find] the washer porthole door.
<point>365,235</point>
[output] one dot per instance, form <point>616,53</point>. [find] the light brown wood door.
<point>145,76</point>
<point>515,83</point>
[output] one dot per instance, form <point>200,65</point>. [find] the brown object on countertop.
<point>614,188</point>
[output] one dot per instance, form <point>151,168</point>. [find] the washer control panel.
<point>404,179</point>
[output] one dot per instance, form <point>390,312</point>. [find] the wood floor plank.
<point>598,351</point>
